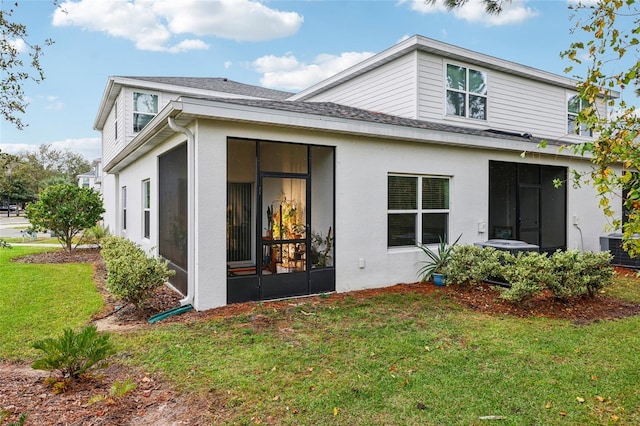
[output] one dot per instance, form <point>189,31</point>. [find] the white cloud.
<point>227,64</point>
<point>155,25</point>
<point>19,44</point>
<point>287,73</point>
<point>52,103</point>
<point>242,20</point>
<point>474,11</point>
<point>89,148</point>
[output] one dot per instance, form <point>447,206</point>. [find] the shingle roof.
<point>219,85</point>
<point>330,109</point>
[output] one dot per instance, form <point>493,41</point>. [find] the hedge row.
<point>567,274</point>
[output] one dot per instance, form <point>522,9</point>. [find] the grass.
<point>392,360</point>
<point>400,359</point>
<point>40,300</point>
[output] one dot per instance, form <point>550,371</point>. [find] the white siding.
<point>110,146</point>
<point>513,103</point>
<point>414,86</point>
<point>390,89</point>
<point>126,118</point>
<point>431,88</point>
<point>527,106</point>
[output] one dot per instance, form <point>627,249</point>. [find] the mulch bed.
<point>153,402</point>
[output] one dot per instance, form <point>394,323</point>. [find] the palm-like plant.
<point>436,259</point>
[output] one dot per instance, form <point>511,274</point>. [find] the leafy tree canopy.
<point>19,62</point>
<point>24,175</point>
<point>491,6</point>
<point>610,51</point>
<point>66,210</point>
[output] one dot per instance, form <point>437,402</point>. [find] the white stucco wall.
<point>362,167</point>
<point>360,230</point>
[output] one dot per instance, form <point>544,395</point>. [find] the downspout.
<point>191,223</point>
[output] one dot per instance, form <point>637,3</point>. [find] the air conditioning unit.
<point>613,243</point>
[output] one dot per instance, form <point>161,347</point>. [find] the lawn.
<point>39,301</point>
<point>400,359</point>
<point>394,359</point>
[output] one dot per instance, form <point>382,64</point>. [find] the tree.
<point>32,171</point>
<point>66,210</point>
<point>15,183</point>
<point>611,28</point>
<point>47,162</point>
<point>491,6</point>
<point>13,45</point>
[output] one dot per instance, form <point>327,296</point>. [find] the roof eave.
<point>185,110</point>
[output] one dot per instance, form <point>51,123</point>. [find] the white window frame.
<point>572,116</point>
<point>466,92</point>
<point>419,210</point>
<point>146,209</point>
<point>136,112</point>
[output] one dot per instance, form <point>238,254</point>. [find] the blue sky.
<point>287,45</point>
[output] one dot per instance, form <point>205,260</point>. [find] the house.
<point>92,178</point>
<point>255,194</point>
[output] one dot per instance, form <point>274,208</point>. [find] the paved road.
<point>11,226</point>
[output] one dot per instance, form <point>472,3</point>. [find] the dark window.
<point>418,210</point>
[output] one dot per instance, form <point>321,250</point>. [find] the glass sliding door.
<point>525,205</point>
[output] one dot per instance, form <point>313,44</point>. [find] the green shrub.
<point>576,274</point>
<point>74,354</point>
<point>470,264</point>
<point>567,274</point>
<point>436,259</point>
<point>131,274</point>
<point>66,210</point>
<point>598,272</point>
<point>525,274</point>
<point>95,234</point>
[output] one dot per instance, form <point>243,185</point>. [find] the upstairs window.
<point>145,107</point>
<point>466,92</point>
<point>575,104</point>
<point>418,210</point>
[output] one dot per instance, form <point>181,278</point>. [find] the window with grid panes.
<point>417,210</point>
<point>575,104</point>
<point>466,92</point>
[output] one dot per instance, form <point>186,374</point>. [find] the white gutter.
<point>191,160</point>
